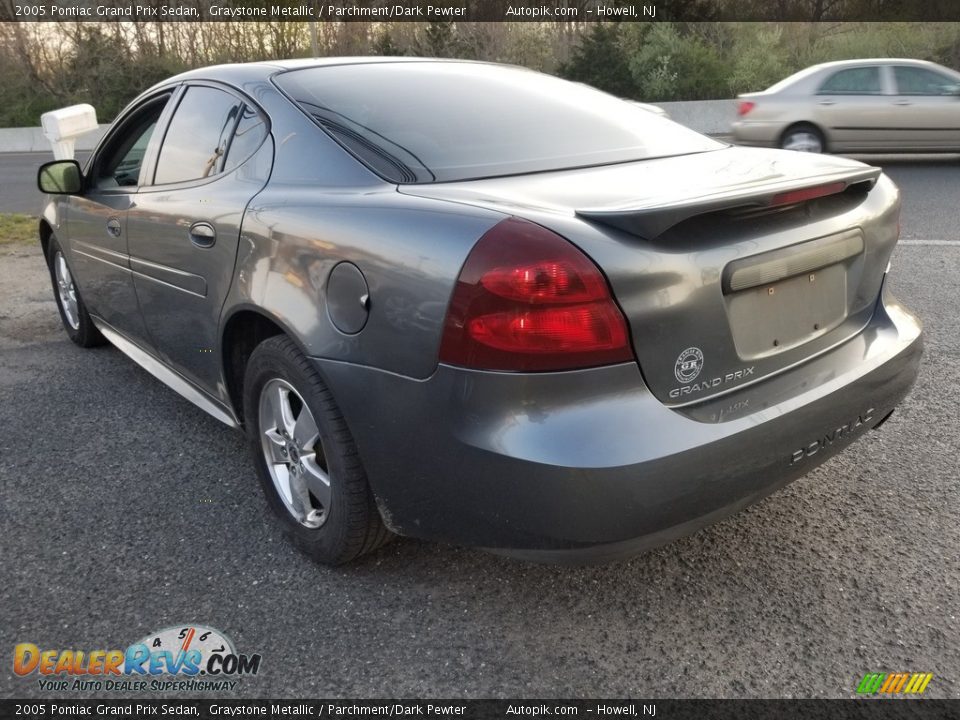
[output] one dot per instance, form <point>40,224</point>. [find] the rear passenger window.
<point>920,81</point>
<point>853,81</point>
<point>251,130</point>
<point>198,138</point>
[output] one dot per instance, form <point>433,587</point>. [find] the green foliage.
<point>104,72</point>
<point>48,65</point>
<point>863,40</point>
<point>527,44</point>
<point>98,69</point>
<point>384,44</point>
<point>438,40</point>
<point>599,60</point>
<point>21,100</point>
<point>20,103</point>
<point>757,59</point>
<point>669,65</point>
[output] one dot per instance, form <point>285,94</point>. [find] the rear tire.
<point>803,137</point>
<point>306,459</point>
<point>73,312</point>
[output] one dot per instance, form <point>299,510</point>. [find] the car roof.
<point>234,72</point>
<point>804,81</point>
<point>873,61</point>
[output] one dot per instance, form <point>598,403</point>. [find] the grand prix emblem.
<point>688,365</point>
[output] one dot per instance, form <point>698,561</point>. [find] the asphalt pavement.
<point>18,181</point>
<point>125,510</point>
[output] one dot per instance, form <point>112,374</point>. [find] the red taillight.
<point>812,193</point>
<point>548,281</point>
<point>528,300</point>
<point>745,106</point>
<point>575,328</point>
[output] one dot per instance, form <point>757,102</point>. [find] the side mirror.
<point>60,177</point>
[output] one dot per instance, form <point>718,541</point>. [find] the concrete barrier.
<point>32,139</point>
<point>712,117</point>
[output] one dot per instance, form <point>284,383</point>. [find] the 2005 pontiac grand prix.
<point>474,303</point>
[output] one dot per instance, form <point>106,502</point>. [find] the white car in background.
<point>880,105</point>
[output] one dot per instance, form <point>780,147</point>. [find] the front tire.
<point>803,137</point>
<point>73,312</point>
<point>306,459</point>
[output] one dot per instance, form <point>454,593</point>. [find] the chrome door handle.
<point>203,235</point>
<point>827,102</point>
<point>113,227</point>
<point>903,102</point>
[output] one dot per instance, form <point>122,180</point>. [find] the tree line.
<point>52,64</point>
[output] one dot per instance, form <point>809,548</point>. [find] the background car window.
<point>853,81</point>
<point>251,131</point>
<point>119,164</point>
<point>196,140</point>
<point>920,81</point>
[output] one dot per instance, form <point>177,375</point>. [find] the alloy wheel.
<point>803,141</point>
<point>293,453</point>
<point>66,291</point>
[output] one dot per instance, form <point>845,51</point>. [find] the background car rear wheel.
<point>306,459</point>
<point>803,138</point>
<point>73,313</point>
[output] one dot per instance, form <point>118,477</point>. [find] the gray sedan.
<point>882,105</point>
<point>476,304</point>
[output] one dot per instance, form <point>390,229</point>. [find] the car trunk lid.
<point>729,266</point>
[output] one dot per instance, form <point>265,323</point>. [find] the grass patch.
<point>16,228</point>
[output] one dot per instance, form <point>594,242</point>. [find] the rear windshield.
<point>445,121</point>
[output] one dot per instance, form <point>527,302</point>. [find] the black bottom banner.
<point>474,709</point>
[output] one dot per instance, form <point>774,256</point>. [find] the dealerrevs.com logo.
<point>186,657</point>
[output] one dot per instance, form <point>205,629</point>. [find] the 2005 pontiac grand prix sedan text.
<point>474,303</point>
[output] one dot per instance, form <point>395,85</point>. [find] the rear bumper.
<point>757,134</point>
<point>588,465</point>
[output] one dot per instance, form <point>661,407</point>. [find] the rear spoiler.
<point>653,219</point>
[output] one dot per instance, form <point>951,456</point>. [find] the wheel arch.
<point>246,327</point>
<point>45,230</point>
